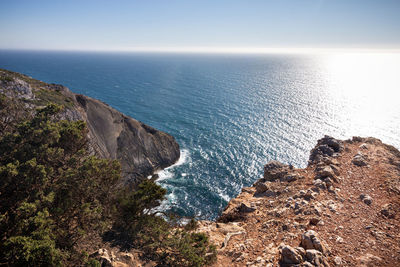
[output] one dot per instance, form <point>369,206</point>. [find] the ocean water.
<point>231,114</point>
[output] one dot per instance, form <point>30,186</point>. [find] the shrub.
<point>52,192</point>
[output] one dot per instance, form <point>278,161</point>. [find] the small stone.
<point>335,169</point>
<point>339,239</point>
<point>310,240</point>
<point>245,209</point>
<point>338,261</point>
<point>366,199</point>
<point>332,206</point>
<point>319,184</point>
<point>359,160</point>
<point>363,146</point>
<point>388,211</point>
<point>314,221</point>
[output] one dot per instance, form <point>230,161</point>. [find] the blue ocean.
<point>232,113</point>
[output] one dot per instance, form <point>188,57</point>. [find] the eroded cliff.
<point>140,148</point>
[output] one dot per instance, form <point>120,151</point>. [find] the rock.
<point>310,240</point>
<point>127,257</point>
<point>332,205</point>
<point>141,149</point>
<point>326,147</point>
<point>16,88</point>
<point>318,183</point>
<point>243,208</point>
<point>388,211</point>
<point>314,220</point>
<point>274,170</point>
<point>335,169</point>
<point>357,139</point>
<point>329,182</point>
<point>291,255</point>
<point>359,160</point>
<point>316,258</point>
<point>338,261</point>
<point>366,199</point>
<point>363,146</point>
<point>261,187</point>
<point>103,257</point>
<point>324,172</point>
<point>291,177</point>
<point>339,239</point>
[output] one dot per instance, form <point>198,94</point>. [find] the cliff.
<point>140,148</point>
<point>341,210</point>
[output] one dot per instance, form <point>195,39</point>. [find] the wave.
<point>168,173</point>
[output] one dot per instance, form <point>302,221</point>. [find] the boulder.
<point>326,147</point>
<point>290,255</point>
<point>359,160</point>
<point>261,187</point>
<point>324,172</point>
<point>243,208</point>
<point>274,170</point>
<point>311,240</point>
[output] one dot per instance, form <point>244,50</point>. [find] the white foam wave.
<point>223,195</point>
<point>168,173</point>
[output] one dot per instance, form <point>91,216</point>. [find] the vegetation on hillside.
<point>53,192</point>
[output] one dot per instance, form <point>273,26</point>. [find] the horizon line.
<point>219,50</point>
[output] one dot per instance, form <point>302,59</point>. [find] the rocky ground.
<point>341,210</point>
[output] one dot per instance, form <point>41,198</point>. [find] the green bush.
<point>164,241</point>
<point>53,193</point>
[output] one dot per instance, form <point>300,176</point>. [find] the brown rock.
<point>310,240</point>
<point>291,255</point>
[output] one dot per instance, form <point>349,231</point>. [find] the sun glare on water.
<point>366,88</point>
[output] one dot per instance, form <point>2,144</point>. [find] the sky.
<point>196,25</point>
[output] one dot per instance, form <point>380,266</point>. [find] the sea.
<point>232,113</point>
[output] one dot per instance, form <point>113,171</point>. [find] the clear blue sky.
<point>114,24</point>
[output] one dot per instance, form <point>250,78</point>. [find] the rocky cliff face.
<point>140,148</point>
<point>341,210</point>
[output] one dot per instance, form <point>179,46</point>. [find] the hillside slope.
<point>140,148</point>
<point>341,210</point>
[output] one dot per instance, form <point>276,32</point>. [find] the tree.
<point>52,191</point>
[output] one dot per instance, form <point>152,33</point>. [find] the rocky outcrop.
<point>335,212</point>
<point>140,148</point>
